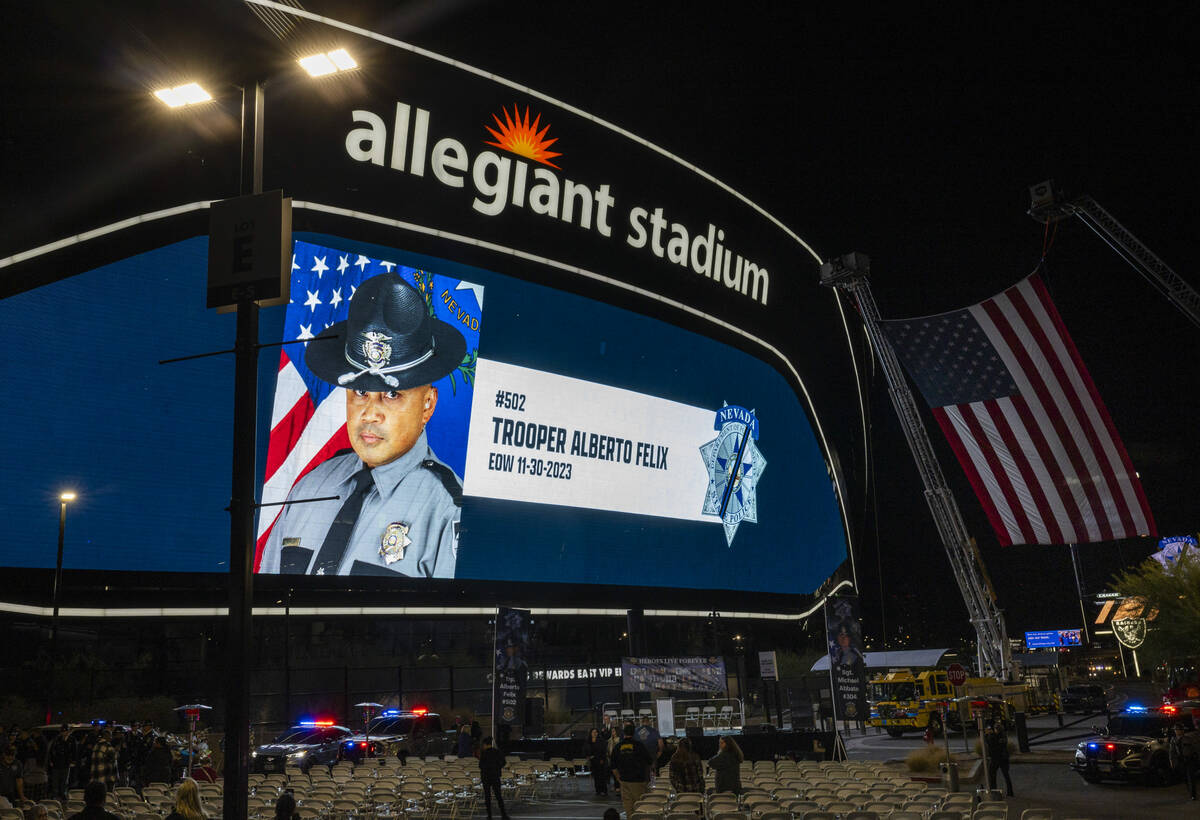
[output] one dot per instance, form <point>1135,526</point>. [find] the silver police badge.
<point>734,465</point>
<point>395,539</point>
<point>375,348</point>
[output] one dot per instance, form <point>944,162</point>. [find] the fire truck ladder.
<point>850,273</point>
<point>1048,205</point>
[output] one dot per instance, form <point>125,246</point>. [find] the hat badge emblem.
<point>376,348</point>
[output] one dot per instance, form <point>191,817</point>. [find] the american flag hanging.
<point>1022,415</point>
<point>308,418</point>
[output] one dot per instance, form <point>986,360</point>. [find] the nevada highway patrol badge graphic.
<point>735,465</point>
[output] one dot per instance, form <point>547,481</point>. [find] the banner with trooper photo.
<point>511,670</point>
<point>847,662</point>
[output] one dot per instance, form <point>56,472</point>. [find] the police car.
<point>399,733</point>
<point>309,743</point>
<point>1133,746</point>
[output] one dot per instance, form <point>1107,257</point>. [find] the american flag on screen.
<point>1027,424</point>
<point>308,416</point>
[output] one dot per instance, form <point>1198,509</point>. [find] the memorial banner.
<point>511,666</point>
<point>673,674</point>
<point>847,663</point>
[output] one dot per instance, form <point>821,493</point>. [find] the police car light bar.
<point>316,723</point>
<point>420,710</point>
<point>1135,708</point>
<point>389,713</point>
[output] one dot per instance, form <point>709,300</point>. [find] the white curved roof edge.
<point>414,611</point>
<point>920,658</point>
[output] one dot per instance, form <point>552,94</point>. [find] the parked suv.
<point>1084,697</point>
<point>401,734</point>
<point>1133,746</point>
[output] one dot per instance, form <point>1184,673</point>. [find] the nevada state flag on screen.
<point>308,417</point>
<point>1027,424</point>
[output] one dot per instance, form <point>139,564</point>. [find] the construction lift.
<point>1047,205</point>
<point>850,273</point>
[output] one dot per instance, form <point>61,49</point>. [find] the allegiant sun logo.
<point>519,136</point>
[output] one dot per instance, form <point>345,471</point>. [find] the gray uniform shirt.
<point>409,503</point>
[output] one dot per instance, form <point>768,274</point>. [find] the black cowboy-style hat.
<point>388,342</point>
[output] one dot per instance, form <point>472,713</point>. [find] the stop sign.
<point>957,674</point>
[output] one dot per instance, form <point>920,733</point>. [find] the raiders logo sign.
<point>1131,632</point>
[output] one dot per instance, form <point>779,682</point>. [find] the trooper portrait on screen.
<point>397,506</point>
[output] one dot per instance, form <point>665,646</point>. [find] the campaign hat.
<point>389,341</point>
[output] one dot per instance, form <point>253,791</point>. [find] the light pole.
<point>63,500</point>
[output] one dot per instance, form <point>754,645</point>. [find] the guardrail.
<point>708,713</point>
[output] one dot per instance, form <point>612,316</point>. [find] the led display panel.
<point>552,437</point>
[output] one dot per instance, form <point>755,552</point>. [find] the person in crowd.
<point>121,742</point>
<point>285,807</point>
<point>33,764</point>
<point>158,766</point>
<point>996,739</point>
<point>649,737</point>
<point>491,763</point>
<point>1184,750</point>
<point>59,756</point>
<point>631,766</point>
<point>94,795</point>
<point>685,770</point>
<point>726,764</point>
<point>464,740</point>
<point>476,737</point>
<point>83,760</point>
<point>598,760</point>
<point>104,761</point>
<point>188,805</point>
<point>12,783</point>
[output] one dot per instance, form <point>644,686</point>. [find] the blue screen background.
<point>147,446</point>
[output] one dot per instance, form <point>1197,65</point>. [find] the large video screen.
<point>424,419</point>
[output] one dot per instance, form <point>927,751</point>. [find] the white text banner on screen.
<point>550,439</point>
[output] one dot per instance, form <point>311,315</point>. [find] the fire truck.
<point>904,701</point>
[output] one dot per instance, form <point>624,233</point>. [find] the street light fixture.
<point>181,95</point>
<point>63,499</point>
<point>331,62</point>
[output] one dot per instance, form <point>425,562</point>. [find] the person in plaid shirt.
<point>687,774</point>
<point>104,761</point>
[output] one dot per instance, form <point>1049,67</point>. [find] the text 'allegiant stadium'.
<point>500,181</point>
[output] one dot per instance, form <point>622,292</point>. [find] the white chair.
<point>725,717</point>
<point>692,716</point>
<point>709,713</point>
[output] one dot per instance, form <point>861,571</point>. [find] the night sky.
<point>911,136</point>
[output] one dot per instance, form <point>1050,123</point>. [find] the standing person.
<point>94,795</point>
<point>726,763</point>
<point>685,770</point>
<point>157,768</point>
<point>59,757</point>
<point>12,785</point>
<point>83,760</point>
<point>285,807</point>
<point>598,760</point>
<point>996,739</point>
<point>1185,755</point>
<point>104,761</point>
<point>464,740</point>
<point>649,737</point>
<point>34,765</point>
<point>476,737</point>
<point>188,805</point>
<point>491,764</point>
<point>631,767</point>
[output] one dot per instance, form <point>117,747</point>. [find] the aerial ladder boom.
<point>850,273</point>
<point>1048,205</point>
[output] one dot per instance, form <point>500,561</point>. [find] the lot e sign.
<point>250,249</point>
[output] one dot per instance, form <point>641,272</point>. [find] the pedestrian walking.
<point>491,764</point>
<point>631,765</point>
<point>598,761</point>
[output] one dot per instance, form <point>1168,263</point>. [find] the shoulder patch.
<point>447,477</point>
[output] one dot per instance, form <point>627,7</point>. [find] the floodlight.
<point>67,496</point>
<point>187,94</point>
<point>319,65</point>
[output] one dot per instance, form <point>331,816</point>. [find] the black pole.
<point>241,503</point>
<point>62,531</point>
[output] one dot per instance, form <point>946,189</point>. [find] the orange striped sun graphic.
<point>520,137</point>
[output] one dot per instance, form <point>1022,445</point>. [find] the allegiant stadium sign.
<point>528,179</point>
